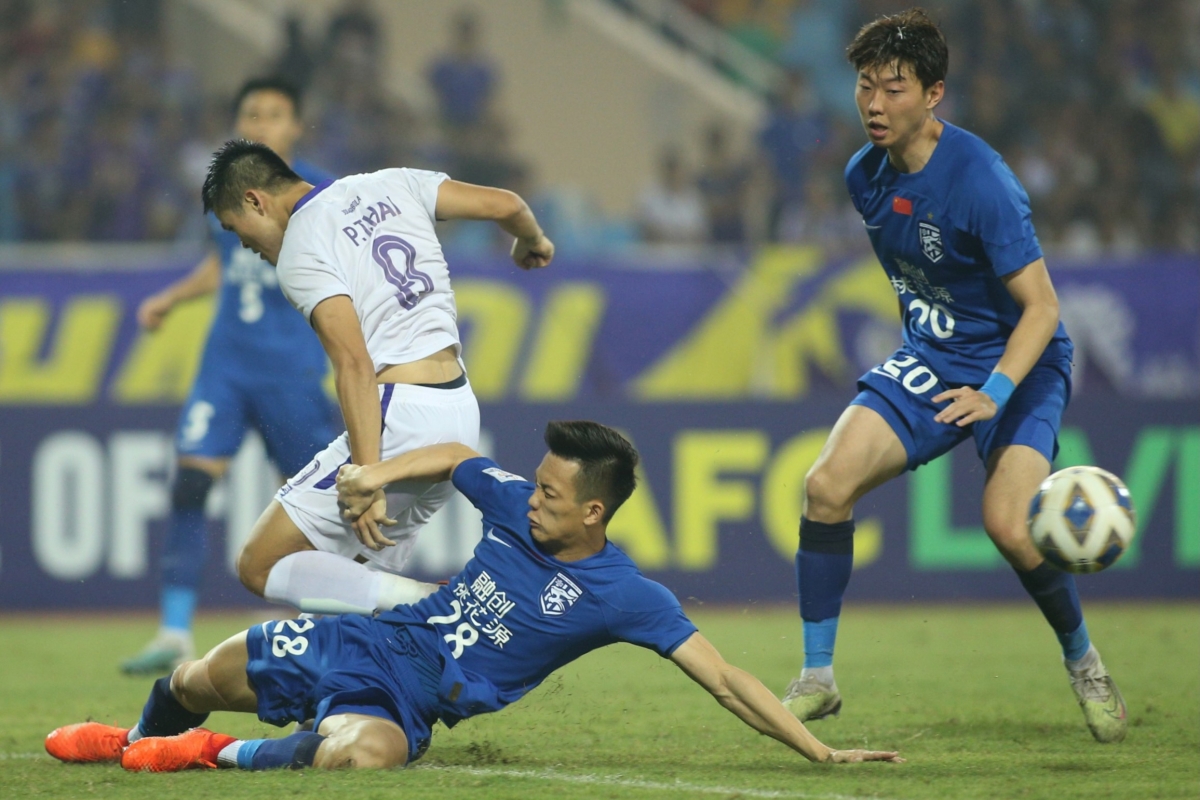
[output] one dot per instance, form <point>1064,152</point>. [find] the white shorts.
<point>413,416</point>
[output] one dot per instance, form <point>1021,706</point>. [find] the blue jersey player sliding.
<point>984,356</point>
<point>262,368</point>
<point>544,588</point>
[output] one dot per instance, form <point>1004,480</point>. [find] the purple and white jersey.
<point>371,237</point>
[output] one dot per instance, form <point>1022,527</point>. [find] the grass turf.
<point>974,697</point>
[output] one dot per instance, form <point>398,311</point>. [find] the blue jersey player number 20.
<point>984,356</point>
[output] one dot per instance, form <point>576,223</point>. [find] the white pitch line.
<point>635,783</point>
<point>592,780</point>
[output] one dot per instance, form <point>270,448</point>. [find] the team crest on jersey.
<point>931,241</point>
<point>559,595</point>
<point>501,475</point>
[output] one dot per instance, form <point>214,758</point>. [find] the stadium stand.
<point>106,122</point>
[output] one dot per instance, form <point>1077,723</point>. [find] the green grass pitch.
<point>974,697</point>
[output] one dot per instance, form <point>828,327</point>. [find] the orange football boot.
<point>87,743</point>
<point>194,749</point>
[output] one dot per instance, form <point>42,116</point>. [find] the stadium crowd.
<point>1094,103</point>
<point>104,134</point>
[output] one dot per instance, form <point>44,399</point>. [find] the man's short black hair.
<point>909,38</point>
<point>272,83</point>
<point>607,461</point>
<point>240,165</point>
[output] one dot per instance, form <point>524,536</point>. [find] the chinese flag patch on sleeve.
<point>902,205</point>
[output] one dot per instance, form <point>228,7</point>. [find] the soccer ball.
<point>1082,519</point>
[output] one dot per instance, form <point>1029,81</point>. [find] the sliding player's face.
<point>892,103</point>
<point>256,227</point>
<point>269,117</point>
<point>557,519</point>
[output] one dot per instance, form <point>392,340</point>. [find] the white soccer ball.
<point>1082,519</point>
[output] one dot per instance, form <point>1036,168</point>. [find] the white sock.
<point>1089,660</point>
<point>227,758</point>
<point>324,583</point>
<point>820,674</point>
<point>135,733</point>
<point>397,590</point>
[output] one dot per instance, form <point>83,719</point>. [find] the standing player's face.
<point>257,230</point>
<point>556,518</point>
<point>893,105</point>
<point>269,117</point>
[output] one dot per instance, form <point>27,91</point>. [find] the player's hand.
<point>364,506</point>
<point>859,756</point>
<point>153,311</point>
<point>367,526</point>
<point>355,494</point>
<point>533,253</point>
<point>969,405</point>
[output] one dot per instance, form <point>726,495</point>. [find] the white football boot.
<point>1101,701</point>
<point>809,698</point>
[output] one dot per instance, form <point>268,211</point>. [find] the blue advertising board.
<point>726,377</point>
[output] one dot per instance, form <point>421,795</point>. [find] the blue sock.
<point>178,607</point>
<point>1055,593</point>
<point>823,565</point>
<point>185,551</point>
<point>818,642</point>
<point>295,751</point>
<point>163,715</point>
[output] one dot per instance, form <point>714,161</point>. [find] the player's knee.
<point>190,489</point>
<point>363,748</point>
<point>184,683</point>
<point>252,569</point>
<point>1010,535</point>
<point>823,493</point>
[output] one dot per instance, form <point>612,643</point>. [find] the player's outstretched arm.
<point>1033,291</point>
<point>204,279</point>
<point>358,485</point>
<point>458,200</point>
<point>744,695</point>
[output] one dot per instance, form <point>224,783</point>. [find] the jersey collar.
<point>313,192</point>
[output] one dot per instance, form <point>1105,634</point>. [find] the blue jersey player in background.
<point>984,356</point>
<point>544,587</point>
<point>262,368</point>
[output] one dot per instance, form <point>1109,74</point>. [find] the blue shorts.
<point>292,413</point>
<point>901,391</point>
<point>314,668</point>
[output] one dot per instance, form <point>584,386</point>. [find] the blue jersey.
<point>255,327</point>
<point>946,235</point>
<point>515,614</point>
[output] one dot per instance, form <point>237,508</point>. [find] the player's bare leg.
<point>217,682</point>
<point>273,537</point>
<point>279,563</point>
<point>183,560</point>
<point>861,453</point>
<point>362,742</point>
<point>1014,474</point>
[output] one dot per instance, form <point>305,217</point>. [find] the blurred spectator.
<point>463,79</point>
<point>723,182</point>
<point>823,219</point>
<point>298,61</point>
<point>356,126</point>
<point>671,208</point>
<point>796,128</point>
<point>1095,104</point>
